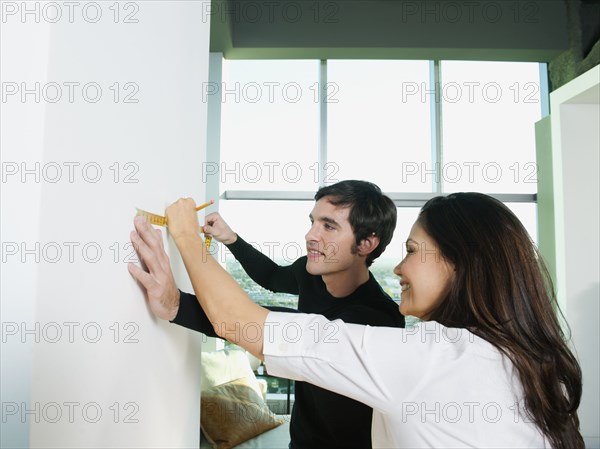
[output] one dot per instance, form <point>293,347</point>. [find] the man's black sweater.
<point>320,418</point>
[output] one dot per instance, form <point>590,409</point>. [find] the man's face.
<point>330,240</point>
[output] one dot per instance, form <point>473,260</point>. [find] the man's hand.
<point>163,295</point>
<point>219,229</point>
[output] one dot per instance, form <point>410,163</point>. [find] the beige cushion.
<point>262,384</point>
<point>220,367</point>
<point>232,413</point>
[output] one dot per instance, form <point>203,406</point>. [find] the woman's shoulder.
<point>448,340</point>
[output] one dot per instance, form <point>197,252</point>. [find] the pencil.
<point>202,206</point>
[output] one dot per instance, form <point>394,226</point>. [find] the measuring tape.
<point>160,220</point>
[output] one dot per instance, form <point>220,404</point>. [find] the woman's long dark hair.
<point>503,293</point>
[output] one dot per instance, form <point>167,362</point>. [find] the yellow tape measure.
<point>160,220</point>
<point>154,219</point>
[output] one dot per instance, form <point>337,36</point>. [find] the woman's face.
<point>425,275</point>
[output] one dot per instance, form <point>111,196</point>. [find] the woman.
<point>488,367</point>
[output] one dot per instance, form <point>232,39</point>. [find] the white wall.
<point>581,289</point>
<point>105,372</point>
<point>21,141</point>
<point>574,180</point>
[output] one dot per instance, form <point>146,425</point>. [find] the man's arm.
<point>259,267</point>
<point>191,315</point>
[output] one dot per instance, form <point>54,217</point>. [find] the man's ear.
<point>368,245</point>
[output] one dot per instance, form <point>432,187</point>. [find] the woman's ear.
<point>368,245</point>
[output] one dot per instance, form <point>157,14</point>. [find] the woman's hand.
<point>182,219</point>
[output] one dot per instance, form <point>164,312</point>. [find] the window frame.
<point>401,199</point>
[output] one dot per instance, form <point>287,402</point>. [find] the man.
<point>351,224</point>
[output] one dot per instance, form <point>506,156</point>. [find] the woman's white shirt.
<point>430,386</point>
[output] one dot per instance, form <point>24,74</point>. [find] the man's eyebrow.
<point>329,220</point>
<point>409,240</point>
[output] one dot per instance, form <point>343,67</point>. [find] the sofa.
<point>233,409</point>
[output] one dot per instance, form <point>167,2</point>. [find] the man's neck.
<point>344,283</point>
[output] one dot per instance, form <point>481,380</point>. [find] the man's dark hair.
<point>371,212</point>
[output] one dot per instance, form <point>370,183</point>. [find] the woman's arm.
<point>233,315</point>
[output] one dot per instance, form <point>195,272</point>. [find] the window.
<point>488,113</point>
<point>438,127</point>
<point>269,125</point>
<point>370,119</point>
